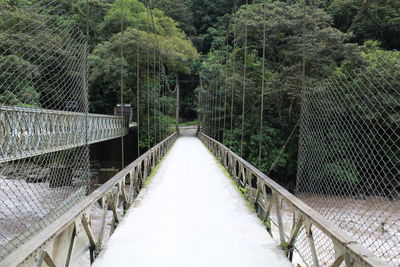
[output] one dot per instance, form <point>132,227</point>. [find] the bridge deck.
<point>191,215</point>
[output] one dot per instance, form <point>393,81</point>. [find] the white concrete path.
<point>191,215</point>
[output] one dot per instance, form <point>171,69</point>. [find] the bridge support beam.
<point>29,132</point>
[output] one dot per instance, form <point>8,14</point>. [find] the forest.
<point>138,57</point>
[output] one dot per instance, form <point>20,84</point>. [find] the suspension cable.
<point>219,111</point>
<point>122,89</point>
<point>159,97</point>
<point>212,98</point>
<point>201,105</point>
<point>284,147</point>
<point>148,98</point>
<point>138,97</point>
<point>233,67</point>
<point>149,7</point>
<point>216,110</point>
<point>262,87</point>
<point>225,97</point>
<point>208,110</point>
<point>87,74</point>
<point>244,82</point>
<point>154,95</point>
<point>233,81</point>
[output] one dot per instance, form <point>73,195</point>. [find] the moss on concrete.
<point>241,190</point>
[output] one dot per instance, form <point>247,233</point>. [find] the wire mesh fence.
<point>349,154</point>
<point>43,100</point>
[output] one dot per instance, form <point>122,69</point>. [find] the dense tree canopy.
<point>335,36</point>
<point>328,50</point>
<point>168,43</point>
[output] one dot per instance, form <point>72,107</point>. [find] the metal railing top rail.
<point>40,131</point>
<point>35,247</point>
<point>347,248</point>
<point>56,112</point>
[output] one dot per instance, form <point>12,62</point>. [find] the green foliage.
<point>327,50</point>
<point>267,223</point>
<point>22,91</point>
<point>332,26</point>
<point>376,20</point>
<point>32,45</point>
<point>170,44</point>
<point>286,248</point>
<point>180,11</point>
<point>188,123</point>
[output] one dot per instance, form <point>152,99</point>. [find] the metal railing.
<point>39,131</point>
<point>68,238</point>
<point>268,197</point>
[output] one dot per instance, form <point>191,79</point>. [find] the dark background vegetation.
<point>342,35</point>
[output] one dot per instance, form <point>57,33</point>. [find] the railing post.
<point>89,234</point>
<point>338,255</point>
<point>311,243</point>
<point>103,221</point>
<point>278,204</point>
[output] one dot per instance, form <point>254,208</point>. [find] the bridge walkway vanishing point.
<point>191,215</point>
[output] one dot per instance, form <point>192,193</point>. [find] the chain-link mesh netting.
<point>43,99</point>
<point>349,156</point>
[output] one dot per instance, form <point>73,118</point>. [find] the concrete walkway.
<point>191,215</point>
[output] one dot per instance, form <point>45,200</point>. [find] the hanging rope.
<point>303,73</point>
<point>208,111</point>
<point>163,108</point>
<point>233,66</point>
<point>284,147</point>
<point>122,88</point>
<point>159,89</point>
<point>219,111</point>
<point>154,96</point>
<point>225,98</point>
<point>218,122</point>
<point>177,89</point>
<point>162,69</point>
<point>201,104</point>
<point>303,86</point>
<point>138,97</point>
<point>148,98</point>
<point>212,110</point>
<point>244,82</point>
<point>262,87</point>
<point>233,73</point>
<point>87,73</point>
<point>216,111</point>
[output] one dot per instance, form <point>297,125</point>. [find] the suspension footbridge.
<point>192,196</point>
<point>201,219</point>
